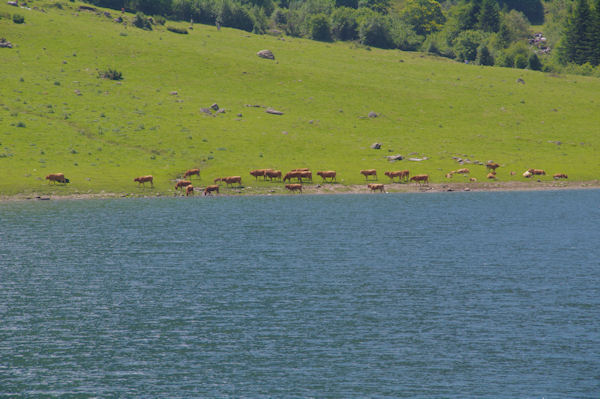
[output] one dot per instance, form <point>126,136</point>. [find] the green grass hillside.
<point>57,115</point>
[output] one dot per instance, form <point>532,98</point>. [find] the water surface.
<point>456,295</point>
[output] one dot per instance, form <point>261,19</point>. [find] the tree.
<point>425,16</point>
<point>596,33</point>
<point>534,62</point>
<point>484,57</point>
<point>489,16</point>
<point>344,25</point>
<point>468,15</point>
<point>320,28</point>
<point>375,31</point>
<point>577,42</point>
<point>381,6</point>
<point>466,45</point>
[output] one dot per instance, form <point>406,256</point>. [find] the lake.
<point>453,295</point>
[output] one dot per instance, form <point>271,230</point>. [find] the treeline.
<point>485,32</point>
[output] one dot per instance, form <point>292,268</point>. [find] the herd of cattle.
<point>304,174</point>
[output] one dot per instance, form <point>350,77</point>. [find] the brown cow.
<point>294,187</point>
<point>560,176</point>
<point>449,174</point>
<point>191,172</point>
<point>305,174</point>
<point>369,172</point>
<point>189,190</point>
<point>376,187</point>
<point>57,177</point>
<point>209,189</point>
<point>182,183</point>
<point>491,175</point>
<point>144,179</point>
<point>259,172</point>
<point>273,174</point>
<point>472,179</point>
<point>300,170</point>
<point>463,171</point>
<point>232,179</point>
<point>327,174</point>
<point>527,174</point>
<point>400,174</point>
<point>537,171</point>
<point>293,175</point>
<point>420,179</point>
<point>492,165</point>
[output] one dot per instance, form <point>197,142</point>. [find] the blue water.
<point>455,295</point>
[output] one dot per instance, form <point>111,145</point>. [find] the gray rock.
<point>376,146</point>
<point>206,111</point>
<point>221,111</point>
<point>173,93</point>
<point>521,81</point>
<point>267,54</point>
<point>215,106</point>
<point>373,114</point>
<point>273,111</point>
<point>393,158</point>
<point>13,3</point>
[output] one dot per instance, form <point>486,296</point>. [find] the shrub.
<point>484,57</point>
<point>174,29</point>
<point>111,74</point>
<point>18,19</point>
<point>534,62</point>
<point>343,24</point>
<point>375,31</point>
<point>159,19</point>
<point>466,45</point>
<point>521,61</point>
<point>141,21</point>
<point>320,29</point>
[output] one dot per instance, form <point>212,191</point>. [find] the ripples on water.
<point>443,295</point>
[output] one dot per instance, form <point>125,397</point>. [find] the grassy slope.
<point>113,132</point>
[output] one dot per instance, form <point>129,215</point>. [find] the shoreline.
<point>330,189</point>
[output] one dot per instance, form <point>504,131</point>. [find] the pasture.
<point>58,116</point>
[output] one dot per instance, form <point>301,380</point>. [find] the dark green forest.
<point>547,35</point>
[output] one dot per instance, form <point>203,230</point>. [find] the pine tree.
<point>596,33</point>
<point>578,40</point>
<point>489,16</point>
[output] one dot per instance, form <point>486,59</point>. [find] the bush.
<point>521,61</point>
<point>534,62</point>
<point>344,25</point>
<point>142,22</point>
<point>174,29</point>
<point>404,37</point>
<point>159,19</point>
<point>111,74</point>
<point>484,57</point>
<point>466,44</point>
<point>375,31</point>
<point>320,29</point>
<point>18,19</point>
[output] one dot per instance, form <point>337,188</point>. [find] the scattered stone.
<point>174,93</point>
<point>118,20</point>
<point>215,106</point>
<point>267,54</point>
<point>221,111</point>
<point>273,111</point>
<point>521,81</point>
<point>206,111</point>
<point>13,3</point>
<point>467,189</point>
<point>64,62</point>
<point>376,146</point>
<point>393,158</point>
<point>5,43</point>
<point>311,121</point>
<point>373,114</point>
<point>107,14</point>
<point>239,115</point>
<point>87,8</point>
<point>76,91</point>
<point>284,132</point>
<point>418,159</point>
<point>255,106</point>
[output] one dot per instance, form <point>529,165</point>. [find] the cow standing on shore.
<point>144,179</point>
